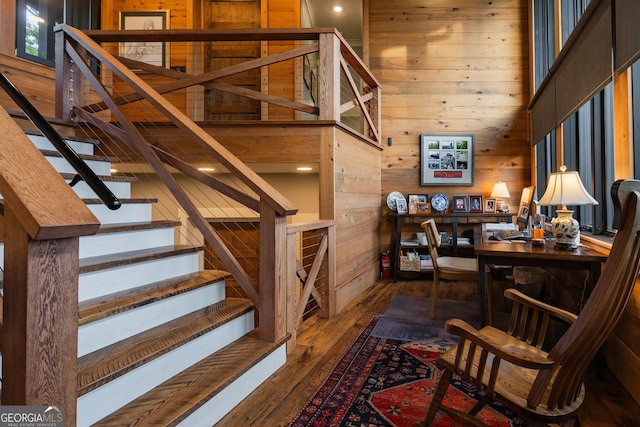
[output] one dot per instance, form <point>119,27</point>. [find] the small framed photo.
<point>401,204</point>
<point>414,200</point>
<point>424,208</point>
<point>475,204</point>
<point>460,204</point>
<point>490,206</point>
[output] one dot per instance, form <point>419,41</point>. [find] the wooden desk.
<point>502,253</point>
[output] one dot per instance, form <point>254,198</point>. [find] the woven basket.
<point>409,263</point>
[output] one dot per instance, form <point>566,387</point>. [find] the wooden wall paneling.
<point>8,19</point>
<point>444,69</point>
<point>357,181</point>
<point>35,81</point>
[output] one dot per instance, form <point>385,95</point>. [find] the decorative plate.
<point>439,202</point>
<point>392,198</point>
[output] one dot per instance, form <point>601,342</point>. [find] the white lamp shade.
<point>565,188</point>
<point>500,191</point>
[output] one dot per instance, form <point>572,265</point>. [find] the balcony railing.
<point>252,74</point>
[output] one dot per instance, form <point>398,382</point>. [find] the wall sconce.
<point>565,188</point>
<point>501,192</point>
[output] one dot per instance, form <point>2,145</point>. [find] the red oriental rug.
<point>389,382</point>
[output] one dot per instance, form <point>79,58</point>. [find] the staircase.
<point>159,343</point>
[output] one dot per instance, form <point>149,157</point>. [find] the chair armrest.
<point>500,344</point>
<point>520,298</point>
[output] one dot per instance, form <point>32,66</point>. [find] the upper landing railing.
<point>251,74</point>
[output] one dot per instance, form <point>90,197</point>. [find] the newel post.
<point>273,274</point>
<point>39,335</point>
<point>329,77</point>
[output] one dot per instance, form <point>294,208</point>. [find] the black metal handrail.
<point>84,171</point>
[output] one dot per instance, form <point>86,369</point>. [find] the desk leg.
<point>482,290</point>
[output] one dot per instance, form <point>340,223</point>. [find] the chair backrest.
<point>602,311</point>
<point>433,240</point>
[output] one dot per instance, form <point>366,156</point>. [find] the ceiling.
<point>348,22</point>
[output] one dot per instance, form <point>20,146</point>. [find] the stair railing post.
<point>273,274</point>
<point>40,332</point>
<point>68,77</point>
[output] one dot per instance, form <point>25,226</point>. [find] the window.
<point>36,20</point>
<point>587,134</point>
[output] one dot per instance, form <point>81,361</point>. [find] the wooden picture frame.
<point>460,204</point>
<point>423,208</point>
<point>475,204</point>
<point>153,53</point>
<point>490,206</point>
<point>446,159</point>
<point>413,200</point>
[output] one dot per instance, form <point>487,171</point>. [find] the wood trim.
<point>622,125</point>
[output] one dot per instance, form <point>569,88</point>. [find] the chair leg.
<point>434,295</point>
<point>441,391</point>
<point>488,279</point>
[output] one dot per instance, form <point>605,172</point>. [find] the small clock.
<point>439,202</point>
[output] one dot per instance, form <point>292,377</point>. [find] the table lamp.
<point>565,188</point>
<point>500,192</point>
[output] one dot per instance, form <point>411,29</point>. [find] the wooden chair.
<point>447,267</point>
<point>512,368</point>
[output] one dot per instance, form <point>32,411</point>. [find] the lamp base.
<point>566,230</point>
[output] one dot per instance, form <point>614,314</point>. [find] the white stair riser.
<point>98,403</point>
<point>128,212</point>
<point>222,403</point>
<point>120,189</point>
<point>79,147</point>
<point>112,243</point>
<point>100,168</point>
<point>112,329</point>
<point>104,282</point>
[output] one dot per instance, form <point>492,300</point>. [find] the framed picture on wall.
<point>446,159</point>
<point>153,53</point>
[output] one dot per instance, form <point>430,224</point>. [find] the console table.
<point>452,218</point>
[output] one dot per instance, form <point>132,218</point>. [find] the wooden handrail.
<point>24,172</point>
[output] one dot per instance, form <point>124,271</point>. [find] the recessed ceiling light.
<point>337,9</point>
<point>114,170</point>
<point>304,168</point>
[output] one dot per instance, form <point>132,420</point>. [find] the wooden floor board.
<point>322,342</point>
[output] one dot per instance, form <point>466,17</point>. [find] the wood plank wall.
<point>452,68</point>
<point>352,199</point>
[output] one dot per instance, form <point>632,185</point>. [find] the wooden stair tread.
<point>174,400</point>
<point>108,305</point>
<point>132,257</point>
<point>96,157</point>
<point>108,363</point>
<point>123,201</point>
<point>112,178</point>
<point>134,226</point>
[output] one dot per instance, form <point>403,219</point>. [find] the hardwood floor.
<point>322,342</point>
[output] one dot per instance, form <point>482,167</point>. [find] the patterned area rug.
<point>389,382</point>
